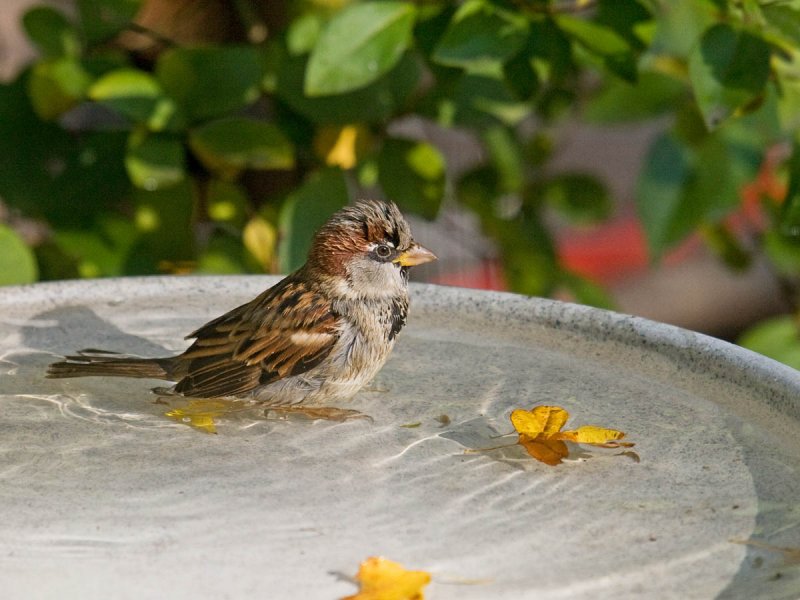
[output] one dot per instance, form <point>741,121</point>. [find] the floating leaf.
<point>202,414</point>
<point>361,43</point>
<point>540,434</point>
<point>382,579</point>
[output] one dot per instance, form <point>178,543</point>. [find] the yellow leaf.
<point>260,238</point>
<point>200,414</point>
<point>550,452</point>
<point>383,579</point>
<point>540,434</point>
<point>591,434</point>
<point>540,420</point>
<point>341,147</point>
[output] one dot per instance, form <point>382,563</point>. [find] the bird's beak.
<point>416,255</point>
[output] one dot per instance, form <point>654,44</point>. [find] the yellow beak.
<point>416,255</point>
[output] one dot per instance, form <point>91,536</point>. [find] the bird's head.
<point>370,246</point>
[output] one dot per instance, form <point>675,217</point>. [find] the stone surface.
<point>103,496</point>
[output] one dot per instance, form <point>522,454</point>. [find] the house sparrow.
<point>316,336</point>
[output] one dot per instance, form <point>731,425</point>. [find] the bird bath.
<point>104,496</point>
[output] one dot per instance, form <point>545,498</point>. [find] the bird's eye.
<point>383,251</point>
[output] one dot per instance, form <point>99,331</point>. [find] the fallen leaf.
<point>382,579</point>
<point>201,414</point>
<point>540,434</point>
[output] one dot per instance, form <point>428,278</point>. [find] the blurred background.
<point>638,155</point>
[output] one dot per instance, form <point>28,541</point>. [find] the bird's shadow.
<point>54,333</point>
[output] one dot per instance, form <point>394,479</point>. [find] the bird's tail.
<point>99,362</point>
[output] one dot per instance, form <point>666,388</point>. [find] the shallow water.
<point>103,495</point>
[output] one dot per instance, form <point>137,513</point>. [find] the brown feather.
<point>252,344</point>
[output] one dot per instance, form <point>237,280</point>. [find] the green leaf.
<point>521,77</point>
<point>628,18</point>
<point>660,198</point>
<point>721,166</point>
<point>620,101</point>
<point>477,190</point>
<point>306,210</point>
<point>724,244</point>
<point>163,219</point>
<point>358,45</point>
<point>481,36</point>
<point>728,69</point>
<point>785,19</point>
<point>616,51</point>
<point>789,223</point>
<point>154,161</point>
<point>413,175</point>
<point>100,252</point>
<point>17,262</point>
<point>211,81</point>
<point>227,203</point>
<point>480,101</point>
<point>777,338</point>
<point>223,255</point>
<point>230,145</point>
<point>550,52</point>
<point>50,173</point>
<point>679,24</point>
<point>57,85</point>
<point>783,252</point>
<point>597,38</point>
<point>587,292</point>
<point>506,157</point>
<point>104,19</point>
<point>138,96</point>
<point>581,198</point>
<point>50,30</point>
<point>529,262</point>
<point>375,103</point>
<point>303,34</point>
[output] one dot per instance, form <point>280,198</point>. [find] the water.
<point>103,495</point>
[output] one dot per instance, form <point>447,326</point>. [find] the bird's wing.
<point>287,330</point>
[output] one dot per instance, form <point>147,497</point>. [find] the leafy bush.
<point>225,157</point>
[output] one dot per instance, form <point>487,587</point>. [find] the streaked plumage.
<point>316,336</point>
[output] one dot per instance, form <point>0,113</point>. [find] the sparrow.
<point>317,336</point>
